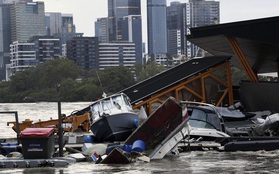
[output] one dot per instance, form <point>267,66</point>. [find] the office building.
<point>131,32</point>
<point>157,26</point>
<point>23,56</point>
<point>84,52</point>
<point>125,24</point>
<point>60,25</point>
<point>33,52</point>
<point>101,29</point>
<point>117,9</point>
<point>201,13</point>
<point>5,37</point>
<point>46,47</point>
<point>27,20</point>
<point>176,28</point>
<point>116,54</point>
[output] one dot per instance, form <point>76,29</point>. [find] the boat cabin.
<point>117,103</point>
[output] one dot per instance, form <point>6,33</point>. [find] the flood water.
<point>187,162</point>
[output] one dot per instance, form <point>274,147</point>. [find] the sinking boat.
<point>160,132</point>
<point>232,128</point>
<point>113,118</point>
<point>205,122</point>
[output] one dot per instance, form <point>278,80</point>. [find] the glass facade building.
<point>117,9</point>
<point>176,28</point>
<point>131,32</point>
<point>27,20</point>
<point>60,25</point>
<point>156,26</point>
<point>5,39</point>
<point>201,13</point>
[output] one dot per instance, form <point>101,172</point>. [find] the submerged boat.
<point>232,128</point>
<point>113,118</point>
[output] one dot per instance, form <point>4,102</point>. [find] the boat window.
<point>214,120</point>
<point>126,100</point>
<point>96,107</point>
<point>106,104</point>
<point>200,124</point>
<point>198,115</point>
<point>202,119</point>
<point>117,99</point>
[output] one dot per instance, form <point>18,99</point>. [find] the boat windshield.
<point>96,107</point>
<point>201,119</point>
<point>117,99</point>
<point>126,100</point>
<point>106,104</point>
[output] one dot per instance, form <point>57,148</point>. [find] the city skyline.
<point>86,12</point>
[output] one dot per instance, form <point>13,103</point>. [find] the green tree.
<point>149,70</point>
<point>116,79</point>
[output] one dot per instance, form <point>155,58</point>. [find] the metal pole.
<point>17,124</point>
<point>60,130</point>
<point>17,127</point>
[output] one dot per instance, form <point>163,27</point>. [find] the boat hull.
<point>158,125</point>
<point>116,127</point>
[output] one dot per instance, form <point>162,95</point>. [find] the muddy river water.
<point>186,162</point>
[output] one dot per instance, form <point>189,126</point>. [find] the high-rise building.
<point>176,28</point>
<point>84,52</point>
<point>125,23</point>
<point>23,56</point>
<point>101,29</point>
<point>117,9</point>
<point>157,26</point>
<point>131,32</point>
<point>46,47</point>
<point>27,20</point>
<point>116,54</point>
<point>33,52</point>
<point>60,25</point>
<point>5,37</point>
<point>201,13</point>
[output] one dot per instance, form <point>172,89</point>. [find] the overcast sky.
<point>85,12</point>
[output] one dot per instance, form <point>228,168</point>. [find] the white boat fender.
<point>99,149</point>
<point>144,158</point>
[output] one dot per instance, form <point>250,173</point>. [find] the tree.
<point>149,70</point>
<point>116,79</point>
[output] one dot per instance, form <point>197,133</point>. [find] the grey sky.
<point>86,12</point>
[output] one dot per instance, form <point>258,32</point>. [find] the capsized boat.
<point>113,118</point>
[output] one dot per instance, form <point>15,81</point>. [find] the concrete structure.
<point>116,54</point>
<point>156,26</point>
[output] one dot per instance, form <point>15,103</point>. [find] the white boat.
<point>113,118</point>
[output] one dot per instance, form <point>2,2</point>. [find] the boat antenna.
<point>99,80</point>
